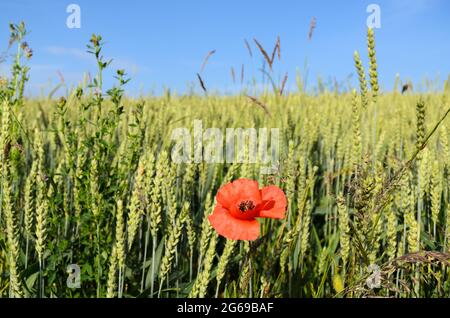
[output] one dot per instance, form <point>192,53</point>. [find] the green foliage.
<point>88,179</point>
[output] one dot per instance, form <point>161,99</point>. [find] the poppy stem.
<point>251,252</point>
<point>250,280</point>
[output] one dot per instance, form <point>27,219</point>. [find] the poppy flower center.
<point>245,206</point>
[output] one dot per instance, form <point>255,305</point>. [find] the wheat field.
<point>88,179</point>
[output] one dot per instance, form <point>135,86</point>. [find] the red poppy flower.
<point>240,202</point>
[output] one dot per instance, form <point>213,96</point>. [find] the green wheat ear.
<point>120,235</point>
<point>136,205</point>
<point>356,123</point>
<point>436,191</point>
<point>155,197</point>
<point>420,126</point>
<point>170,247</point>
<point>41,205</point>
<point>111,283</point>
<point>13,246</point>
<point>29,206</point>
<point>362,79</point>
<point>344,229</point>
<point>391,231</point>
<point>223,262</point>
<point>373,73</point>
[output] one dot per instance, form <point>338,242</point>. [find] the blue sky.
<point>163,43</point>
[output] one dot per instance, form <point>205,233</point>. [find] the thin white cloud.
<point>45,67</point>
<point>64,51</point>
<point>117,63</point>
<point>129,66</point>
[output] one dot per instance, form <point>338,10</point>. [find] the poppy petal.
<point>232,228</point>
<point>246,189</point>
<point>226,195</point>
<point>274,203</point>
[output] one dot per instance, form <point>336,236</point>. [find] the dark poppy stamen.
<point>245,206</point>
